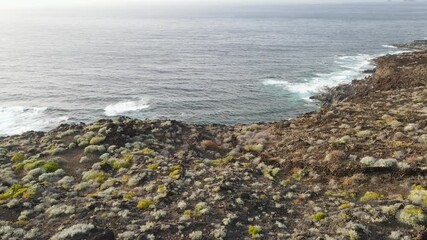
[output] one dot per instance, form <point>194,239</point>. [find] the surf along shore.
<point>354,169</point>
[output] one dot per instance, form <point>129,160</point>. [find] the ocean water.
<point>242,66</point>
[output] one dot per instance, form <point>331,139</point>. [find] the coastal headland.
<point>353,169</point>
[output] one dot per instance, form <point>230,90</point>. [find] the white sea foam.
<point>347,69</point>
<point>19,119</point>
<point>389,46</point>
<point>126,107</point>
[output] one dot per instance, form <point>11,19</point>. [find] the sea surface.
<point>242,66</point>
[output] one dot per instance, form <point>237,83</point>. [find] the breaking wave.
<point>122,107</point>
<point>20,119</point>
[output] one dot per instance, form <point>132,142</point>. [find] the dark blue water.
<point>236,66</point>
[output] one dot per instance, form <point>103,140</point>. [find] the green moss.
<point>96,176</point>
<point>144,203</point>
<point>148,151</point>
<point>161,188</point>
<point>27,165</point>
<point>17,157</point>
<point>116,164</point>
<point>50,166</point>
<point>66,133</point>
<point>129,195</point>
<point>17,190</point>
<point>199,207</point>
<point>97,140</point>
<point>83,143</point>
<point>216,162</point>
<point>89,135</point>
<point>221,161</point>
<point>318,216</point>
<point>175,174</point>
<point>254,230</point>
<point>417,187</point>
<point>174,167</point>
<point>369,196</point>
<point>340,193</point>
<point>153,166</point>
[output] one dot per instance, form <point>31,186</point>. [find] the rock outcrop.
<point>417,44</point>
<point>402,71</point>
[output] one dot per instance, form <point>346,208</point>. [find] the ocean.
<point>241,66</point>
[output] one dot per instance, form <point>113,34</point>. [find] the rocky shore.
<point>354,169</point>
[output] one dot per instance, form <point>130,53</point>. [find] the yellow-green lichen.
<point>17,157</point>
<point>161,188</point>
<point>175,174</point>
<point>216,162</point>
<point>148,151</point>
<point>254,230</point>
<point>174,167</point>
<point>27,165</point>
<point>299,173</point>
<point>417,187</point>
<point>144,203</point>
<point>345,204</point>
<point>370,196</point>
<point>97,176</point>
<point>153,166</point>
<point>50,166</point>
<point>318,216</point>
<point>418,195</point>
<point>200,209</point>
<point>340,193</point>
<point>413,215</point>
<point>254,147</point>
<point>129,195</point>
<point>271,172</point>
<point>117,164</point>
<point>17,190</point>
<point>221,161</point>
<point>97,140</point>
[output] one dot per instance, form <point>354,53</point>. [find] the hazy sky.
<point>43,3</point>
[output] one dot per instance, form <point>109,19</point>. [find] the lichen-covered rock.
<point>418,195</point>
<point>77,231</point>
<point>413,215</point>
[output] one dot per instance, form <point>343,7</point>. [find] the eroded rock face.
<point>354,169</point>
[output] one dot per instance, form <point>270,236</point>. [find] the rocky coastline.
<point>354,169</point>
